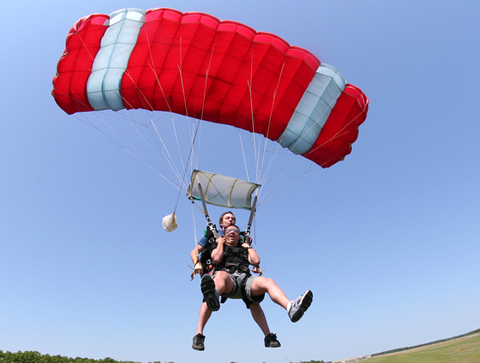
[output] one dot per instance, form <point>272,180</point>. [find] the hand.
<point>257,270</point>
<point>198,268</point>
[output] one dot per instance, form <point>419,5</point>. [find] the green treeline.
<point>36,357</point>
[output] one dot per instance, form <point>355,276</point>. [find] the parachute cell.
<point>219,71</point>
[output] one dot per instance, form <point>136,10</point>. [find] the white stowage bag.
<point>170,222</point>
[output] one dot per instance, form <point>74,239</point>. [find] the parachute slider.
<point>221,190</point>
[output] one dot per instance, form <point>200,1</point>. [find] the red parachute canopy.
<point>220,71</point>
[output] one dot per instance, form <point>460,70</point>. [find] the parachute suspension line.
<point>339,133</point>
<point>129,151</point>
<point>266,175</point>
<point>284,170</point>
<point>195,239</point>
<point>124,148</point>
<point>170,158</point>
<point>180,72</point>
<point>157,80</point>
<point>271,163</point>
<point>262,178</point>
<point>174,128</point>
<point>152,67</point>
<point>256,147</point>
<point>193,159</point>
<point>207,72</point>
<point>243,154</point>
<point>262,172</point>
<point>164,149</point>
<point>204,99</point>
<point>288,185</point>
<point>255,151</point>
<point>242,147</point>
<point>192,145</point>
<point>195,133</point>
<point>156,136</point>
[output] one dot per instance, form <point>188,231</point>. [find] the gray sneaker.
<point>297,307</point>
<point>210,294</point>
<point>271,341</point>
<point>198,342</point>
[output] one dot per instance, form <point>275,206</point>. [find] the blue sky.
<point>388,240</point>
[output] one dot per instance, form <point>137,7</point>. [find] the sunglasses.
<point>235,230</point>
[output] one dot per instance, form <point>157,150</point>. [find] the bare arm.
<point>217,253</point>
<point>194,256</point>
<point>253,256</point>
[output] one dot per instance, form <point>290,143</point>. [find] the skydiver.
<point>270,340</point>
<point>232,258</point>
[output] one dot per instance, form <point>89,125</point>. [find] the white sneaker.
<point>297,307</point>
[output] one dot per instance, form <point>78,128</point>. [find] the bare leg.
<point>223,282</point>
<point>262,285</point>
<point>259,317</point>
<point>203,316</point>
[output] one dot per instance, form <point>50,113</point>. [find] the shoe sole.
<point>304,305</point>
<point>273,345</point>
<point>208,290</point>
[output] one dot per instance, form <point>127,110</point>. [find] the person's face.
<point>232,235</point>
<point>228,220</point>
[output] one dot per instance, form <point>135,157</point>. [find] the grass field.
<point>461,350</point>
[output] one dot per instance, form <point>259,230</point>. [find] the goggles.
<point>234,230</point>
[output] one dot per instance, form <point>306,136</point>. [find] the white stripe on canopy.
<point>103,85</point>
<point>313,110</point>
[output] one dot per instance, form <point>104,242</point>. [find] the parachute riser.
<point>246,236</point>
<point>250,220</point>
<point>211,227</point>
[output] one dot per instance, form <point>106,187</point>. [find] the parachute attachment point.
<point>169,222</point>
<point>220,190</point>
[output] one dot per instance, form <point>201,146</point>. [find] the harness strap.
<point>233,267</point>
